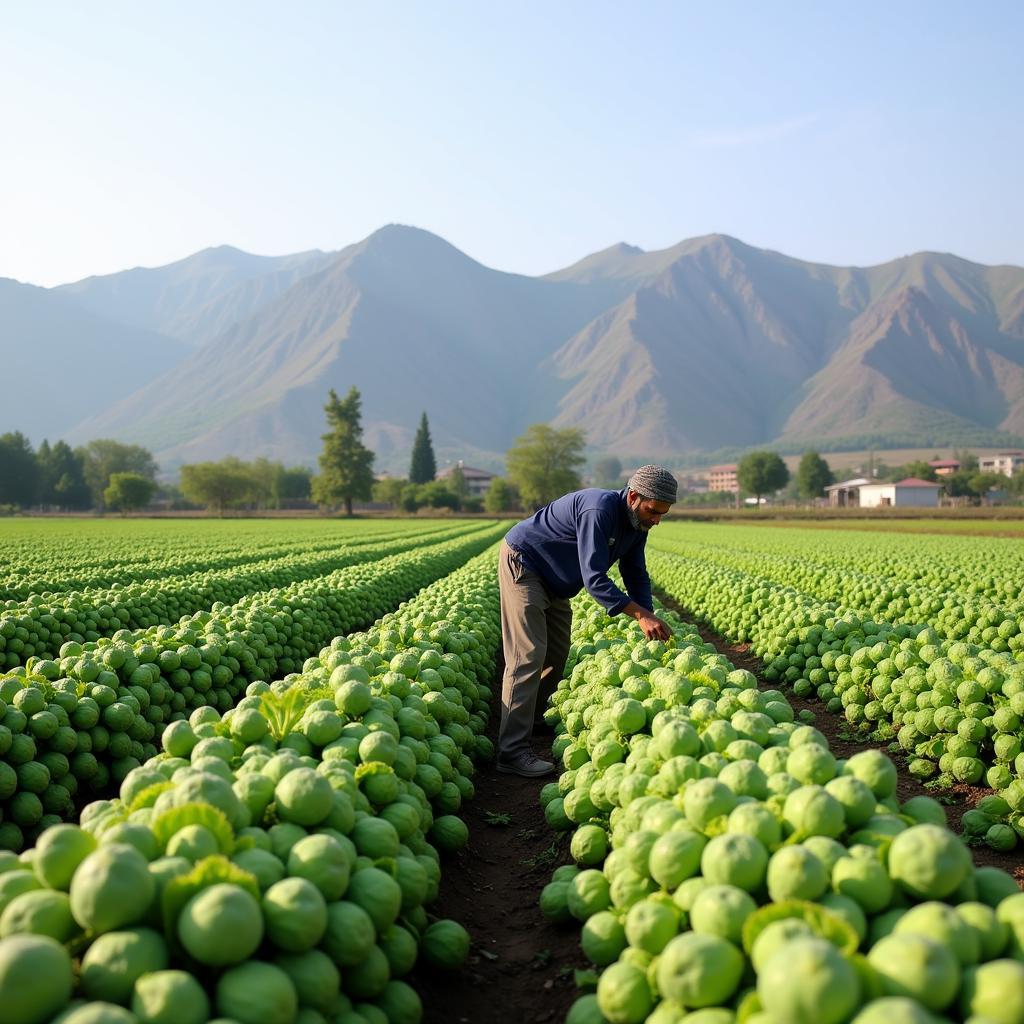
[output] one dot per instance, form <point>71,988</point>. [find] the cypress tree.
<point>424,467</point>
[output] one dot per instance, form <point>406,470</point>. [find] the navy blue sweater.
<point>572,543</point>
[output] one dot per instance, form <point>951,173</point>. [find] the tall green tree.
<point>19,471</point>
<point>545,462</point>
<point>424,466</point>
<point>346,464</point>
<point>761,473</point>
<point>127,492</point>
<point>62,477</point>
<point>102,457</point>
<point>813,475</point>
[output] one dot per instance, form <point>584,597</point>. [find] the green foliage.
<point>761,473</point>
<point>981,483</point>
<point>231,483</point>
<point>389,490</point>
<point>424,466</point>
<point>346,464</point>
<point>128,491</point>
<point>457,481</point>
<point>918,468</point>
<point>283,711</point>
<point>958,484</point>
<point>500,496</point>
<point>436,494</point>
<point>18,470</point>
<point>217,485</point>
<point>275,484</point>
<point>967,459</point>
<point>62,477</point>
<point>812,476</point>
<point>545,462</point>
<point>102,458</point>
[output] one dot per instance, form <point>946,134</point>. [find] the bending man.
<point>547,559</point>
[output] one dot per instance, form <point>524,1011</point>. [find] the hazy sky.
<point>526,133</point>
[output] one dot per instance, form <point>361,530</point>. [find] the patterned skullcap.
<point>655,483</point>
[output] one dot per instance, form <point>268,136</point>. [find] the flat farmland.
<point>246,773</point>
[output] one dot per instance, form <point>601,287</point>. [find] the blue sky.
<point>528,134</point>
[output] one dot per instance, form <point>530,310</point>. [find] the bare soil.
<point>521,965</point>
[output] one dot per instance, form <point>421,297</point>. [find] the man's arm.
<point>595,558</point>
<point>592,545</point>
<point>633,566</point>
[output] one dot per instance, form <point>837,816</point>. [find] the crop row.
<point>973,568</point>
<point>955,707</point>
<point>39,626</point>
<point>93,714</point>
<point>729,868</point>
<point>46,564</point>
<point>273,865</point>
<point>887,588</point>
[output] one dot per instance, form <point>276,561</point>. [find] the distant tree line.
<point>108,475</point>
<point>102,474</point>
<point>231,483</point>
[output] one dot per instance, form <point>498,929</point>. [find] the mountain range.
<point>706,345</point>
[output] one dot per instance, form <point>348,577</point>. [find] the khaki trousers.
<point>535,628</point>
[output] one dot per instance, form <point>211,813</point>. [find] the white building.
<point>910,492</point>
<point>1006,463</point>
<point>846,493</point>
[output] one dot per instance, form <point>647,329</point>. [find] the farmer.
<point>544,561</point>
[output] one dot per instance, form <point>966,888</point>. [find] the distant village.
<point>870,492</point>
<point>862,491</point>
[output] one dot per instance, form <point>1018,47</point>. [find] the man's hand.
<point>653,627</point>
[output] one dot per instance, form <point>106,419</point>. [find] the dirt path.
<point>521,966</point>
<point>957,800</point>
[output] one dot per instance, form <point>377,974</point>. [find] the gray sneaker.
<point>527,765</point>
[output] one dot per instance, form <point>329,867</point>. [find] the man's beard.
<point>634,518</point>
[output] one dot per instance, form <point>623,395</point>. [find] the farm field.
<point>918,639</point>
<point>238,761</point>
<point>978,527</point>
